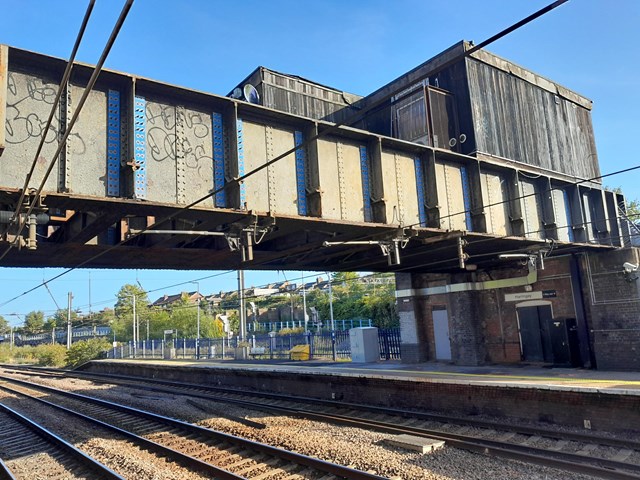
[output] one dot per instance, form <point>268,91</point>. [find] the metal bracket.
<point>390,248</point>
<point>242,236</point>
<point>29,239</point>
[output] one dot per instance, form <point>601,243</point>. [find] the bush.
<point>291,331</point>
<point>50,355</point>
<point>86,350</point>
<point>17,354</point>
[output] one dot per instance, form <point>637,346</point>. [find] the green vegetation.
<point>181,316</point>
<point>84,351</point>
<point>352,300</point>
<point>55,355</point>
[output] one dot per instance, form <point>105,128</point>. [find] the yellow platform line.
<point>491,377</point>
<point>477,376</point>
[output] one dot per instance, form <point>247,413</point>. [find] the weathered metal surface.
<point>88,141</point>
<point>177,146</point>
<point>401,193</point>
<point>451,196</point>
<point>4,72</point>
<point>28,103</point>
<point>495,196</point>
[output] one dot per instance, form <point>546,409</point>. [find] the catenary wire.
<point>320,134</point>
<point>76,114</point>
<point>54,106</point>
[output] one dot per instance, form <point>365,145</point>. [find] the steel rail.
<point>99,468</point>
<point>318,464</point>
<point>549,433</point>
<point>149,445</point>
<point>565,460</point>
<point>5,473</point>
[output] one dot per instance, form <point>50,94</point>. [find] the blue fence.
<point>323,345</point>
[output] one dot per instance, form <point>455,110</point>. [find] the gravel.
<point>357,448</point>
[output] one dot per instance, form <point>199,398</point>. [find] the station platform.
<point>598,400</point>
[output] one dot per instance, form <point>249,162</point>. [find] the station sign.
<point>523,296</point>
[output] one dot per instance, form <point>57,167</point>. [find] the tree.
<point>124,304</point>
<point>4,325</point>
<point>34,322</point>
<point>59,319</point>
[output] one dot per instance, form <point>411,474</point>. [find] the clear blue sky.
<point>589,46</point>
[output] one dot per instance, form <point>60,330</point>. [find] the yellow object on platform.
<point>299,352</point>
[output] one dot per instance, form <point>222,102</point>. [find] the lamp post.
<point>11,337</point>
<point>255,316</point>
<point>304,306</point>
<point>198,322</point>
<point>333,327</point>
<point>135,332</point>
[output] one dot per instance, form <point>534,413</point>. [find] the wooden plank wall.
<point>517,120</point>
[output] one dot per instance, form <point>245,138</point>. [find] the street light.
<point>255,316</point>
<point>333,327</point>
<point>135,331</point>
<point>11,339</point>
<point>198,322</point>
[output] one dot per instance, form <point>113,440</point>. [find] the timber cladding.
<point>529,124</point>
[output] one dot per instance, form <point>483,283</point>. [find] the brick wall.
<point>483,325</point>
<point>612,302</point>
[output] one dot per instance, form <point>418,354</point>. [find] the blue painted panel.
<point>240,136</point>
<point>567,209</point>
<point>218,159</point>
<point>366,189</point>
<point>301,174</point>
<point>420,183</point>
<point>140,147</point>
<point>113,144</point>
<point>466,195</point>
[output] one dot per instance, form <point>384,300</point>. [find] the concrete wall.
<point>561,407</point>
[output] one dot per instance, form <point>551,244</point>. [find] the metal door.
<point>559,342</point>
<point>533,323</point>
<point>441,334</point>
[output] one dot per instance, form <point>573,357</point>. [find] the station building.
<point>532,172</point>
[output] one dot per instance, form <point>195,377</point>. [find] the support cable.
<point>76,114</point>
<point>65,79</point>
<point>303,144</point>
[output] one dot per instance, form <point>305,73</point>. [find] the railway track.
<point>213,453</point>
<point>22,438</point>
<point>589,454</point>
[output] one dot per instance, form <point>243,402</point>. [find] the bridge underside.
<point>85,231</point>
<point>270,190</point>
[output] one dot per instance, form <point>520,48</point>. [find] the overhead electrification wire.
<point>45,131</point>
<point>324,132</point>
<point>76,114</point>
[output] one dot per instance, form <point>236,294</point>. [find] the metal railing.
<point>323,345</point>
